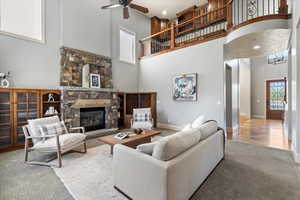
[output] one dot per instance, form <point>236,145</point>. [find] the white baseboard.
<point>258,116</point>
<point>168,126</point>
<point>296,155</point>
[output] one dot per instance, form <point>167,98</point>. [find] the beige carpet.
<point>249,172</point>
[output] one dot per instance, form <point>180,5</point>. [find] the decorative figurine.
<point>4,83</point>
<point>50,97</point>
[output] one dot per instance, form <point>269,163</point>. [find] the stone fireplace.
<point>92,109</point>
<point>92,118</point>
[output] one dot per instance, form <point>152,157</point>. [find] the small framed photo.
<point>95,81</point>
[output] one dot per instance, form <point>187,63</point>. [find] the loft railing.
<point>213,24</point>
<point>245,10</point>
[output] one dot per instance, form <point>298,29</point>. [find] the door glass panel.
<point>277,93</point>
<point>20,135</point>
<point>21,97</point>
<point>32,97</point>
<point>5,117</point>
<point>5,97</point>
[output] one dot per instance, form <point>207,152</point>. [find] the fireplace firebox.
<point>92,118</point>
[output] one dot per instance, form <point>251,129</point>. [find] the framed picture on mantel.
<point>185,87</point>
<point>95,81</point>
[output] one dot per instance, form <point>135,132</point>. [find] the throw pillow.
<point>187,127</point>
<point>198,122</point>
<point>53,129</point>
<point>142,117</point>
<point>146,148</point>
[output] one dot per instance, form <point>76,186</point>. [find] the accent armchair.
<point>52,143</point>
<point>142,119</point>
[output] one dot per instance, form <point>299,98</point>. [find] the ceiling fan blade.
<point>139,8</point>
<point>111,6</point>
<point>125,13</point>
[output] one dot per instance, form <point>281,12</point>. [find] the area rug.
<point>249,172</point>
<point>89,176</point>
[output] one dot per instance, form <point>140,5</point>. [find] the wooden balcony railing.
<point>211,25</point>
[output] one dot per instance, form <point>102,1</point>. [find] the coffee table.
<point>132,142</point>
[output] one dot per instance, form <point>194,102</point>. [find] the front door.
<point>276,97</point>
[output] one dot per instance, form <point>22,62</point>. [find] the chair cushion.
<point>198,122</point>
<point>53,129</point>
<point>143,125</point>
<point>34,126</point>
<point>146,148</point>
<point>65,141</point>
<point>142,114</point>
<point>171,146</point>
<point>208,129</point>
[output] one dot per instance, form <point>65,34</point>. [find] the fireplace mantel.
<point>66,88</point>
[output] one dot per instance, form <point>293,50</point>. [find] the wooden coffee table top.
<point>113,141</point>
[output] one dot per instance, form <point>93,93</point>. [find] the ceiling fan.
<point>126,4</point>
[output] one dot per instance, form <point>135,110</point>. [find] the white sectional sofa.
<point>141,176</point>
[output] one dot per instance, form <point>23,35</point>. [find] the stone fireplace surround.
<point>75,99</point>
<point>74,96</point>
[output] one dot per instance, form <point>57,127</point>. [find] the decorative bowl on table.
<point>138,131</point>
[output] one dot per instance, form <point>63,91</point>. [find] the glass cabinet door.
<point>26,107</point>
<point>5,118</point>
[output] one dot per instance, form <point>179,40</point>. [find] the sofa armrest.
<point>138,175</point>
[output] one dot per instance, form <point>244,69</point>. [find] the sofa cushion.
<point>208,129</point>
<point>34,126</point>
<point>146,148</point>
<point>171,146</point>
<point>65,141</point>
<point>197,123</point>
<point>143,125</point>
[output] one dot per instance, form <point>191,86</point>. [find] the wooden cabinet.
<point>6,118</point>
<point>139,100</point>
<point>26,107</point>
<point>16,107</point>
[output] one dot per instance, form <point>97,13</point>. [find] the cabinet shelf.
<point>51,102</point>
<point>52,115</point>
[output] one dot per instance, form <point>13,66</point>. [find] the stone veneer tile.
<point>71,115</point>
<point>73,60</point>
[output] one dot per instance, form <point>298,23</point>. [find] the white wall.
<point>34,65</point>
<point>79,24</point>
<point>261,71</point>
<point>86,27</point>
<point>245,87</point>
<point>156,75</point>
<point>296,80</point>
<point>125,75</point>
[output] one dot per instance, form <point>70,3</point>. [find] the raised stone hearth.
<point>74,100</point>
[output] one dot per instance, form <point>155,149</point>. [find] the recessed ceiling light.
<point>164,12</point>
<point>256,47</point>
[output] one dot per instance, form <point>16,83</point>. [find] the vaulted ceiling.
<point>156,7</point>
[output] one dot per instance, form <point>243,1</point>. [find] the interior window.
<point>23,19</point>
<point>127,46</point>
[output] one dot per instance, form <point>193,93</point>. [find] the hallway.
<point>262,132</point>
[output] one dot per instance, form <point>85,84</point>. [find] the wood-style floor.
<point>262,132</point>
